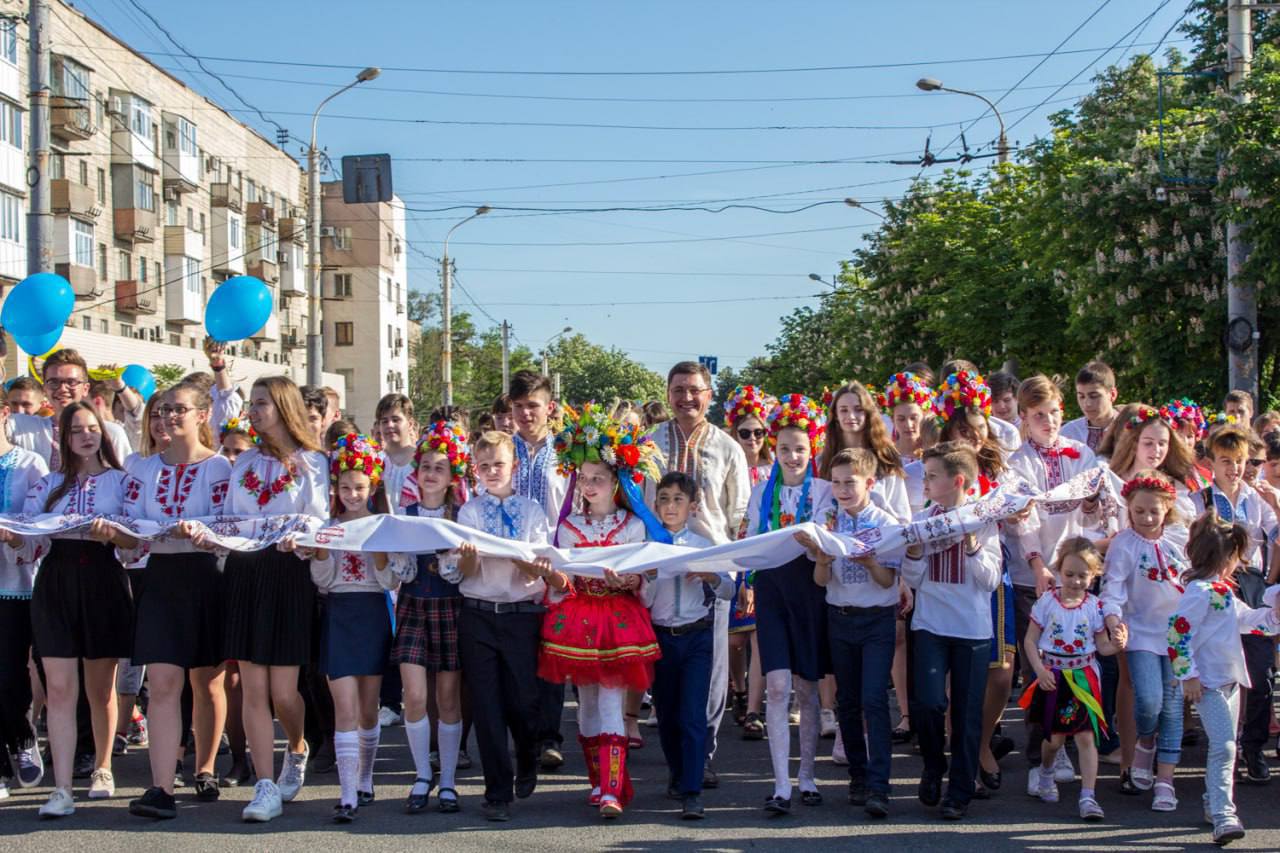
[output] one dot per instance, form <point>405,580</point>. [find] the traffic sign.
<point>710,362</point>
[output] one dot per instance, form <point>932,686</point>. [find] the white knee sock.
<point>589,710</point>
<point>368,751</point>
<point>419,736</point>
<point>810,729</point>
<point>778,692</point>
<point>610,707</point>
<point>450,738</point>
<point>346,751</point>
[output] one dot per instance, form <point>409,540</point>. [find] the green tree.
<point>589,372</point>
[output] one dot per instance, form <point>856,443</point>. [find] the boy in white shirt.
<point>1096,393</point>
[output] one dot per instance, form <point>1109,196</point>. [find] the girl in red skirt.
<point>599,635</point>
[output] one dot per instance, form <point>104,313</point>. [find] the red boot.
<point>591,752</point>
<point>615,782</point>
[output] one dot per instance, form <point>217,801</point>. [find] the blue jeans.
<point>681,685</point>
<point>1219,709</point>
<point>862,640</point>
<point>1157,701</point>
<point>966,661</point>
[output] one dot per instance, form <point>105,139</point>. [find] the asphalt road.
<point>555,818</point>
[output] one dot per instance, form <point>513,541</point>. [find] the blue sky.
<point>706,152</point>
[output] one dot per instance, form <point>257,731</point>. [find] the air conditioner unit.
<point>282,257</point>
<point>170,194</point>
<point>328,231</point>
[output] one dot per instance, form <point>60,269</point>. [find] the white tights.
<point>778,694</point>
<point>600,710</point>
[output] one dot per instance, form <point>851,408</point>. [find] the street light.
<point>446,308</point>
<point>853,202</point>
<point>546,364</point>
<point>813,276</point>
<point>315,345</point>
<point>929,84</point>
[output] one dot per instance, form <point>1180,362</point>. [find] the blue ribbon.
<point>657,533</point>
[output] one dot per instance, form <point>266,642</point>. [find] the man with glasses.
<point>66,381</point>
<point>691,445</point>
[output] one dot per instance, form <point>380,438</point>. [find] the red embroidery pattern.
<point>218,494</point>
<point>132,490</point>
<point>173,487</point>
<point>352,568</point>
<point>264,493</point>
<point>946,566</point>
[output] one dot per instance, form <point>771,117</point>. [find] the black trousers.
<point>499,654</point>
<point>550,713</point>
<point>1259,652</point>
<point>15,681</point>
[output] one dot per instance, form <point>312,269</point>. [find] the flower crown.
<point>1144,416</point>
<point>447,438</point>
<point>240,426</point>
<point>1184,411</point>
<point>1219,418</point>
<point>355,452</point>
<point>590,436</point>
<point>905,388</point>
<point>746,401</point>
<point>799,412</point>
<point>962,391</point>
<point>1148,484</point>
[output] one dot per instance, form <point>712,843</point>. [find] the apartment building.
<point>158,196</point>
<point>364,288</point>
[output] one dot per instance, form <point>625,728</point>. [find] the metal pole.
<point>40,217</point>
<point>1242,304</point>
<point>446,343</point>
<point>546,364</point>
<point>506,356</point>
<point>555,387</point>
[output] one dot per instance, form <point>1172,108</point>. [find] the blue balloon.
<point>146,389</point>
<point>37,305</point>
<point>239,307</point>
<point>139,379</point>
<point>38,345</point>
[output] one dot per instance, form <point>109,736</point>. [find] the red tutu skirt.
<point>598,636</point>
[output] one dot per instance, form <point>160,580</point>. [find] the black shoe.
<point>691,808</point>
<point>930,790</point>
<point>709,777</point>
<point>525,784</point>
<point>777,806</point>
<point>1256,765</point>
<point>206,788</point>
<point>900,735</point>
<point>237,774</point>
<point>857,792</point>
<point>364,798</point>
<point>495,811</point>
<point>448,805</point>
<point>877,805</point>
<point>810,798</point>
<point>1001,745</point>
<point>1126,785</point>
<point>552,758</point>
<point>1191,736</point>
<point>224,745</point>
<point>952,810</point>
<point>990,781</point>
<point>323,759</point>
<point>343,813</point>
<point>154,803</point>
<point>415,803</point>
<point>464,760</point>
<point>82,768</point>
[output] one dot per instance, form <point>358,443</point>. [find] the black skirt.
<point>791,620</point>
<point>355,636</point>
<point>81,606</point>
<point>270,602</point>
<point>179,621</point>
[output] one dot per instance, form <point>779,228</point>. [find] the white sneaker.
<point>60,804</point>
<point>388,717</point>
<point>265,804</point>
<point>293,774</point>
<point>1033,782</point>
<point>1063,769</point>
<point>102,785</point>
<point>4,790</point>
<point>29,765</point>
<point>837,752</point>
<point>828,723</point>
<point>1048,790</point>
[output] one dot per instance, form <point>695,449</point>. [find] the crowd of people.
<point>1108,615</point>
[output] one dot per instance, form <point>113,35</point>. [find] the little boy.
<point>683,617</point>
<point>500,625</point>
<point>951,627</point>
<point>862,605</point>
<point>1096,393</point>
<point>399,431</point>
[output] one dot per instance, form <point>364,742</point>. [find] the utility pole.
<point>40,219</point>
<point>446,332</point>
<point>506,356</point>
<point>1242,303</point>
<point>555,387</point>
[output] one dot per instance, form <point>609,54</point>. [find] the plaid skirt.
<point>427,632</point>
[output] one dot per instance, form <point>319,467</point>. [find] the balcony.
<point>69,197</point>
<point>260,213</point>
<point>84,280</point>
<point>131,298</point>
<point>263,269</point>
<point>70,118</point>
<point>293,229</point>
<point>183,241</point>
<point>181,156</point>
<point>227,241</point>
<point>292,337</point>
<point>228,195</point>
<point>134,225</point>
<point>293,270</point>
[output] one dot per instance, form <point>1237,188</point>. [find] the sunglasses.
<point>745,434</point>
<point>1255,462</point>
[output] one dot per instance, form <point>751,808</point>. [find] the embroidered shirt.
<point>675,600</point>
<point>20,470</point>
<point>351,571</point>
<point>1067,633</point>
<point>166,493</point>
<point>498,579</point>
<point>1142,583</point>
<point>537,479</point>
<point>954,600</point>
<point>1204,633</point>
<point>303,490</point>
<point>851,583</point>
<point>1251,512</point>
<point>1044,468</point>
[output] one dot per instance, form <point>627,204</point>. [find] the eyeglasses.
<point>682,391</point>
<point>745,434</point>
<point>171,411</point>
<point>1255,462</point>
<point>53,384</point>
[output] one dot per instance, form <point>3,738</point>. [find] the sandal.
<point>448,805</point>
<point>739,707</point>
<point>418,802</point>
<point>810,798</point>
<point>1126,784</point>
<point>753,727</point>
<point>1164,800</point>
<point>634,741</point>
<point>1143,760</point>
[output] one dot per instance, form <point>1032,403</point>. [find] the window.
<point>126,330</point>
<point>125,265</point>
<point>12,211</point>
<point>102,261</point>
<point>103,326</point>
<point>175,340</point>
<point>140,117</point>
<point>159,273</point>
<point>348,375</point>
<point>102,186</point>
<point>84,172</point>
<point>233,232</point>
<point>70,79</point>
<point>342,285</point>
<point>251,195</point>
<point>204,235</point>
<point>390,336</point>
<point>9,41</point>
<point>57,165</point>
<point>267,246</point>
<point>142,270</point>
<point>86,323</point>
<point>83,243</point>
<point>388,290</point>
<point>170,213</point>
<point>191,219</point>
<point>344,334</point>
<point>342,239</point>
<point>146,192</point>
<point>191,277</point>
<point>187,138</point>
<point>397,293</point>
<point>10,124</point>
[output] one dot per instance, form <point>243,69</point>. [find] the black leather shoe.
<point>1256,766</point>
<point>691,808</point>
<point>1001,745</point>
<point>495,811</point>
<point>952,810</point>
<point>525,784</point>
<point>777,806</point>
<point>344,813</point>
<point>990,781</point>
<point>415,803</point>
<point>857,792</point>
<point>930,790</point>
<point>877,805</point>
<point>810,798</point>
<point>449,804</point>
<point>364,798</point>
<point>154,803</point>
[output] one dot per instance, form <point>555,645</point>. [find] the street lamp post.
<point>929,84</point>
<point>446,308</point>
<point>315,344</point>
<point>546,362</point>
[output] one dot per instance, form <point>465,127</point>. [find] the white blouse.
<point>262,485</point>
<point>1142,584</point>
<point>166,493</point>
<point>351,571</point>
<point>790,510</point>
<point>1204,633</point>
<point>101,494</point>
<point>497,579</point>
<point>20,470</point>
